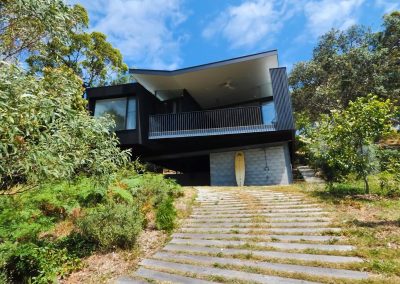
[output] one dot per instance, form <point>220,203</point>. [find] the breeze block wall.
<point>264,166</point>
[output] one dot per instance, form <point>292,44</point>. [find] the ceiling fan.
<point>228,85</point>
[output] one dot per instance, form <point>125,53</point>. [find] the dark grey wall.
<point>282,100</point>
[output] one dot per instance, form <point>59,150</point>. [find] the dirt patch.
<point>184,204</point>
<point>103,268</point>
<point>106,267</point>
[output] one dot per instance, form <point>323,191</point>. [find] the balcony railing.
<point>207,123</point>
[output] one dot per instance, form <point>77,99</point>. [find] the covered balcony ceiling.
<point>216,84</point>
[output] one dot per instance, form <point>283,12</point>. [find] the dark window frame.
<point>127,98</point>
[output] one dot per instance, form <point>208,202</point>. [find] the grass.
<point>371,223</point>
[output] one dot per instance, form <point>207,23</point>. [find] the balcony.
<point>208,123</point>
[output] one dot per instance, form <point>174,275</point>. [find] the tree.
<point>27,25</point>
<point>91,57</point>
<point>45,135</point>
<point>346,140</point>
<point>347,65</point>
<point>50,33</point>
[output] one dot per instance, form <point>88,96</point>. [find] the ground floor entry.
<point>266,165</point>
<point>259,165</point>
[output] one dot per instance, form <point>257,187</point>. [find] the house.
<point>194,120</point>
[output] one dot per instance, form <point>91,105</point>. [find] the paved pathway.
<point>253,235</point>
<point>309,174</point>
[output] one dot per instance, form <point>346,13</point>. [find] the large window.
<point>268,113</point>
<point>121,110</point>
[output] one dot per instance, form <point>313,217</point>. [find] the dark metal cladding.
<point>282,100</point>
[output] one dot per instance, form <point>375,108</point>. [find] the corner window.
<point>268,113</point>
<point>122,111</point>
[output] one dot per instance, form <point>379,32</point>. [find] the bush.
<point>46,133</point>
<point>36,247</point>
<point>3,278</point>
<point>29,262</point>
<point>166,214</point>
<point>152,188</point>
<point>389,184</point>
<point>112,225</point>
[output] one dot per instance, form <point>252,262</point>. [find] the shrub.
<point>29,262</point>
<point>76,244</point>
<point>44,135</point>
<point>112,225</point>
<point>166,214</point>
<point>389,184</point>
<point>152,188</point>
<point>3,278</point>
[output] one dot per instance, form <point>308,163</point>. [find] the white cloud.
<point>249,23</point>
<point>144,31</point>
<point>388,5</point>
<point>324,15</point>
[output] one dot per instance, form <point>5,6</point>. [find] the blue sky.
<point>171,34</point>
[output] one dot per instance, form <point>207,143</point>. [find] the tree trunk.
<point>366,185</point>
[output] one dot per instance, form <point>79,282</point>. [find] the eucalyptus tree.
<point>347,65</point>
<point>89,54</point>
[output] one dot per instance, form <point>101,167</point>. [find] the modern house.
<point>194,120</point>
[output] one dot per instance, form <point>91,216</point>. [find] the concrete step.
<point>277,245</point>
<point>265,254</point>
<point>250,211</point>
<point>290,268</point>
<point>128,280</point>
<point>241,215</point>
<point>276,201</point>
<point>168,277</point>
<point>269,219</point>
<point>226,273</point>
<point>260,230</point>
<point>251,196</point>
<point>264,236</point>
<point>255,225</point>
<point>258,207</point>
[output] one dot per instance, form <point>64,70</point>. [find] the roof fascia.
<point>203,66</point>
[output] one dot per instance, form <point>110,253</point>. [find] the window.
<point>122,111</point>
<point>131,121</point>
<point>268,113</point>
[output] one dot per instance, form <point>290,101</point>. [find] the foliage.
<point>345,141</point>
<point>3,278</point>
<point>112,225</point>
<point>45,133</point>
<point>51,34</point>
<point>89,55</point>
<point>27,25</point>
<point>166,214</point>
<point>44,232</point>
<point>41,264</point>
<point>347,65</point>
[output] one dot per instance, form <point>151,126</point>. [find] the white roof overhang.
<point>216,84</point>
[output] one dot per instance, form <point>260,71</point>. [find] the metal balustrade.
<point>208,122</point>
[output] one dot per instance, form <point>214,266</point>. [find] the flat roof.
<point>214,84</point>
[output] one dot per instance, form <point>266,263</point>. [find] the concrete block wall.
<point>264,166</point>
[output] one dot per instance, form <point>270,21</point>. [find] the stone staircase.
<point>252,235</point>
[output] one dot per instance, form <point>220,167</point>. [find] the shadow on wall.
<point>191,179</point>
